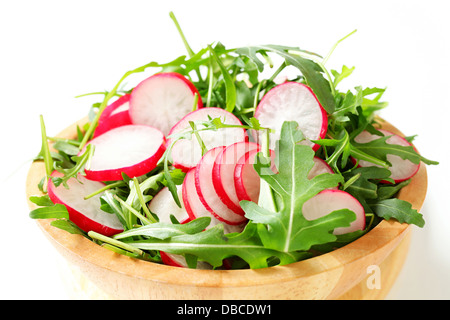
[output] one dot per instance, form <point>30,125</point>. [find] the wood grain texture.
<point>341,274</point>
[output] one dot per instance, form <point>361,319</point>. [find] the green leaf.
<point>45,149</point>
<point>57,211</point>
<point>43,201</point>
<point>163,231</point>
<point>213,246</point>
<point>229,84</point>
<point>379,149</point>
<point>68,226</point>
<point>398,209</point>
<point>345,72</point>
<point>287,229</point>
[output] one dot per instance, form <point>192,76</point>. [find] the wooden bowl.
<point>363,269</point>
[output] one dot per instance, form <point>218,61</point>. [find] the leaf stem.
<point>186,44</point>
<point>133,210</point>
<point>114,242</point>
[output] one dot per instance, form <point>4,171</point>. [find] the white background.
<point>51,51</point>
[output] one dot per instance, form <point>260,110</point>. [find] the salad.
<point>219,159</point>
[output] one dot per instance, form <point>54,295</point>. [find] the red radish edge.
<point>132,170</point>
<point>300,118</point>
<point>108,120</point>
<point>84,222</point>
<point>143,101</point>
<point>323,204</point>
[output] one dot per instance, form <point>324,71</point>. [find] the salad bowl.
<point>363,269</point>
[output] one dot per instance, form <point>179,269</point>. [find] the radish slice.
<point>164,206</point>
<point>208,195</point>
<point>132,149</point>
<point>114,115</point>
<point>177,260</point>
<point>187,153</point>
<point>320,166</point>
<point>161,100</point>
<point>328,201</point>
<point>223,173</point>
<point>246,179</point>
<point>195,207</point>
<point>401,169</point>
<point>293,101</point>
<point>86,214</point>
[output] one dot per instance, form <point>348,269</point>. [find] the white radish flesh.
<point>223,173</point>
<point>115,115</point>
<point>161,100</point>
<point>328,201</point>
<point>86,214</point>
<point>163,205</point>
<point>132,149</point>
<point>195,207</point>
<point>293,101</point>
<point>187,153</point>
<point>401,169</point>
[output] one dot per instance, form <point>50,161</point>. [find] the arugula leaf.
<point>163,231</point>
<point>345,72</point>
<point>379,148</point>
<point>287,229</point>
<point>212,246</point>
<point>398,209</point>
<point>57,211</point>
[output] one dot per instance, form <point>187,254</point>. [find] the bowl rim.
<point>383,235</point>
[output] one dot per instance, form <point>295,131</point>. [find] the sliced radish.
<point>178,260</point>
<point>320,166</point>
<point>223,173</point>
<point>163,205</point>
<point>187,153</point>
<point>132,149</point>
<point>86,214</point>
<point>162,100</point>
<point>207,193</point>
<point>246,179</point>
<point>293,101</point>
<point>114,115</point>
<point>195,207</point>
<point>328,201</point>
<point>401,169</point>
